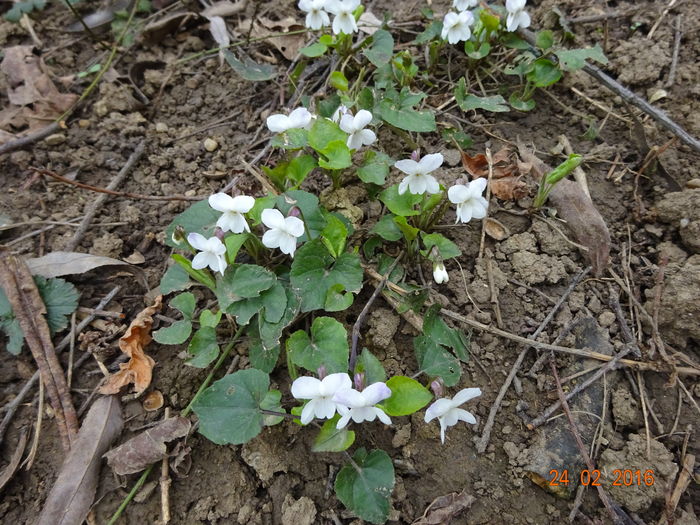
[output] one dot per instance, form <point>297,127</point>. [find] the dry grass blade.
<point>72,495</point>
<point>11,468</point>
<point>138,370</point>
<point>30,311</point>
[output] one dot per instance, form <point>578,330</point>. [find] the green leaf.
<point>175,334</point>
<point>327,107</point>
<point>334,235</point>
<point>203,347</point>
<point>272,401</point>
<point>198,218</point>
<point>374,168</point>
<point>337,156</point>
<point>300,167</point>
<point>381,49</point>
<point>436,329</point>
<point>5,306</point>
<point>244,309</point>
<point>433,30</point>
<point>544,39</point>
<point>209,318</point>
<point>314,50</point>
<point>14,14</point>
<point>368,364</point>
<point>274,301</point>
<point>387,229</point>
<point>330,439</point>
<point>233,244</point>
<point>296,138</point>
<point>365,100</point>
<point>408,231</point>
<point>405,117</point>
<point>323,132</point>
<point>262,358</point>
<point>229,410</point>
<point>202,276</point>
<point>60,298</point>
<point>261,203</point>
<point>174,279</point>
<point>463,140</point>
<point>247,281</point>
<point>337,299</point>
<point>248,69</point>
<point>14,333</point>
<point>544,73</point>
<point>185,303</point>
<point>468,102</point>
<point>490,20</point>
<point>338,81</point>
<point>310,209</point>
<point>314,272</point>
<point>365,488</point>
<point>270,333</point>
<point>434,360</point>
<point>446,247</point>
<point>407,396</point>
<point>477,53</point>
<point>520,104</point>
<point>327,346</point>
<point>402,205</point>
<point>513,41</point>
<point>573,59</point>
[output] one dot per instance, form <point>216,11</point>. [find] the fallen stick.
<point>628,96</point>
<point>30,139</point>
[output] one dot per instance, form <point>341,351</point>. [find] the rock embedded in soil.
<point>625,409</point>
<point>638,497</point>
<point>299,512</point>
<point>682,209</point>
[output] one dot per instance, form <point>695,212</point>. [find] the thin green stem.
<point>210,377</point>
<point>125,502</point>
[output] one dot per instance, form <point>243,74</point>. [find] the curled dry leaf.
<point>507,182</point>
<point>288,45</point>
<point>577,209</point>
<point>153,401</point>
<point>444,508</point>
<point>139,368</point>
<point>56,264</point>
<point>496,229</point>
<point>147,447</point>
<point>34,100</point>
<point>73,493</point>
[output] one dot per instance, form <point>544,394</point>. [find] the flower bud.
<point>219,234</point>
<point>178,235</point>
<point>436,387</point>
<point>294,212</point>
<point>440,273</point>
<point>359,381</point>
<point>415,155</point>
<point>321,371</point>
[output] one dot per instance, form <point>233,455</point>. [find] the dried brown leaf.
<point>139,368</point>
<point>443,509</point>
<point>34,99</point>
<point>577,209</point>
<point>506,180</point>
<point>73,492</point>
<point>147,447</point>
<point>288,45</point>
<point>56,264</point>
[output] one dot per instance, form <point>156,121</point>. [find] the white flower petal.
<point>366,136</point>
<point>215,246</point>
<point>431,184</point>
<point>347,122</point>
<point>201,260</point>
<point>232,222</point>
<point>288,243</point>
<point>458,193</point>
<point>464,213</point>
<point>343,421</point>
<point>403,185</point>
<point>308,412</point>
<point>349,398</point>
<point>375,393</point>
<point>479,207</point>
<point>316,19</point>
<point>243,203</point>
<point>294,226</point>
<point>273,238</point>
<point>382,416</point>
<point>299,118</point>
<point>523,19</point>
<point>465,395</point>
<point>325,408</point>
<point>278,123</point>
<point>443,427</point>
<point>222,264</point>
<point>221,202</point>
<point>408,166</point>
<point>515,5</point>
<point>362,119</point>
<point>463,415</point>
<point>354,141</point>
<point>363,414</point>
<point>306,387</point>
<point>418,184</point>
<point>272,218</point>
<point>478,185</point>
<point>332,383</point>
<point>197,241</point>
<point>438,409</point>
<point>430,162</point>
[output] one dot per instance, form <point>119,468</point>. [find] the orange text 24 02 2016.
<point>593,478</point>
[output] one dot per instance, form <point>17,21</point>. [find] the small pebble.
<point>607,318</point>
<point>161,127</point>
<point>210,145</point>
<point>693,184</point>
<point>55,139</point>
<point>83,123</point>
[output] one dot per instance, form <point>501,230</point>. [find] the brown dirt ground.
<point>271,479</point>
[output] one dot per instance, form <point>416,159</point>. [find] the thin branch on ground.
<point>676,50</point>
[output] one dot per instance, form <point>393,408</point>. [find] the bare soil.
<point>274,479</point>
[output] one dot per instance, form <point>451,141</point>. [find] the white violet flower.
<point>447,411</point>
<point>344,21</point>
<point>316,17</point>
<point>338,113</point>
<point>299,118</point>
<point>440,273</point>
<point>355,126</point>
<point>233,209</point>
<point>517,17</point>
<point>456,27</point>
<point>470,203</point>
<point>320,393</point>
<point>360,405</point>
<point>463,5</point>
<point>211,252</point>
<point>418,179</point>
<point>283,232</point>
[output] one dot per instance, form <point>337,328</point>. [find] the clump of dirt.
<point>625,408</point>
<point>682,210</point>
<point>638,495</point>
